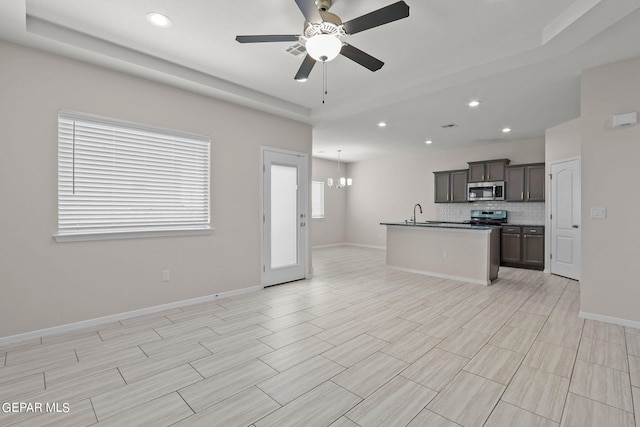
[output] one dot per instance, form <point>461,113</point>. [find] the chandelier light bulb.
<point>342,181</point>
<point>323,47</point>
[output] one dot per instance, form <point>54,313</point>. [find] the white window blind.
<point>317,199</point>
<point>120,177</point>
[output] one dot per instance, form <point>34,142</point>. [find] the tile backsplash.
<point>531,213</point>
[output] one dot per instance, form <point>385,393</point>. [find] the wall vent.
<point>296,49</point>
<point>449,126</point>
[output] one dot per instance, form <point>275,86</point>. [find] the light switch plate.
<point>598,213</point>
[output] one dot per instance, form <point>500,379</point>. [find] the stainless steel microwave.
<point>477,191</point>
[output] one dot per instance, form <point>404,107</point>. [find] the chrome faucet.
<point>417,205</point>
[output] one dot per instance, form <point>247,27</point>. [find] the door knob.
<point>302,224</point>
<point>575,226</point>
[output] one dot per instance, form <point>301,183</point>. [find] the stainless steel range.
<point>488,217</point>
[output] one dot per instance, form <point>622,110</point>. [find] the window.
<point>317,199</point>
<point>120,179</point>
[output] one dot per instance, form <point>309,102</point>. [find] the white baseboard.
<point>609,319</point>
<point>366,246</point>
<point>121,316</point>
<point>333,245</point>
<point>443,276</point>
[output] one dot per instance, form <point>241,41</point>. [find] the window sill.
<point>85,237</point>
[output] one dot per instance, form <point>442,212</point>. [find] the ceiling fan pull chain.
<point>324,80</point>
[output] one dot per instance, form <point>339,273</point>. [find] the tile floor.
<point>358,345</point>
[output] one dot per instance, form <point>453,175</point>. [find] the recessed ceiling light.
<point>474,103</point>
<point>382,124</point>
<point>506,130</point>
<point>428,142</point>
<point>159,20</point>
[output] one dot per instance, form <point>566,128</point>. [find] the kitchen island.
<point>465,252</point>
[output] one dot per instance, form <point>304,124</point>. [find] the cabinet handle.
<point>522,195</point>
<point>528,195</point>
<point>488,177</point>
<point>483,177</point>
<point>447,197</point>
<point>532,231</point>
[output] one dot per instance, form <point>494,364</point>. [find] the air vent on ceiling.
<point>449,126</point>
<point>296,49</point>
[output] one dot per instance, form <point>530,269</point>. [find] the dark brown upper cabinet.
<point>450,186</point>
<point>488,170</point>
<point>525,183</point>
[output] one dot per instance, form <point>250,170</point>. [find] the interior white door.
<point>284,198</point>
<point>565,219</point>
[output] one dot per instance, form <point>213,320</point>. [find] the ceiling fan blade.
<point>305,68</point>
<point>387,14</point>
<point>268,38</point>
<point>361,57</point>
<point>310,11</point>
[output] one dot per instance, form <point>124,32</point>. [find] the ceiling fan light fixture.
<point>323,47</point>
<point>159,20</point>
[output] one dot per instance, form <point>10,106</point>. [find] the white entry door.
<point>565,218</point>
<point>284,236</point>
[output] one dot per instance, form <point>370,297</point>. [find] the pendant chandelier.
<point>342,181</point>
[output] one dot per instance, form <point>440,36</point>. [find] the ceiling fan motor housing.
<point>331,24</point>
<point>323,5</point>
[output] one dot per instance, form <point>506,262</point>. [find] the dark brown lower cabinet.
<point>522,247</point>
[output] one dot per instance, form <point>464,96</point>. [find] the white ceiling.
<point>521,58</point>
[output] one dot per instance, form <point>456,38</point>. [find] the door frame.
<point>305,175</point>
<point>549,210</point>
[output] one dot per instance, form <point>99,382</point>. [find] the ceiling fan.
<point>324,30</point>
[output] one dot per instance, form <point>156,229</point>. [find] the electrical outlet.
<point>598,213</point>
<point>165,275</point>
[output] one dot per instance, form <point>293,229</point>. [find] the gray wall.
<point>331,229</point>
<point>46,284</point>
<point>610,246</point>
